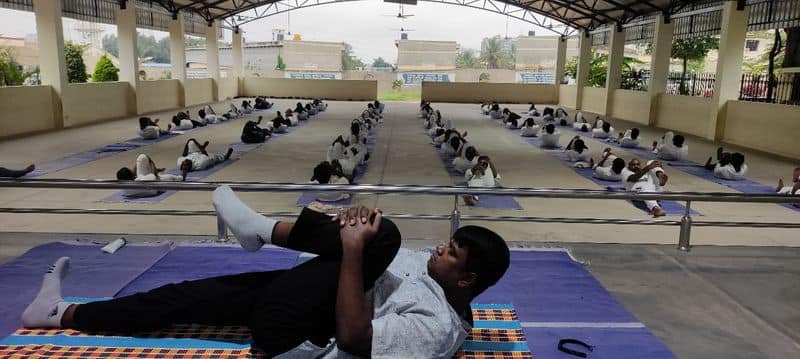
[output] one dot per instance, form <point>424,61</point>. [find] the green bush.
<point>76,68</point>
<point>105,70</point>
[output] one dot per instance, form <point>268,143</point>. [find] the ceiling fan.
<point>401,14</point>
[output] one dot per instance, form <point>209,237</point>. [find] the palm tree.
<point>493,55</point>
<point>467,60</point>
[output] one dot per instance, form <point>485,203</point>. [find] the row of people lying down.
<point>182,121</point>
<point>345,155</point>
<point>478,169</point>
<point>252,132</point>
<point>194,157</point>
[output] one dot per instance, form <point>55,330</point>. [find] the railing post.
<point>455,218</point>
<point>222,230</point>
<point>686,229</point>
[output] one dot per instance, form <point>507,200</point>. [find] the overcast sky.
<point>358,23</point>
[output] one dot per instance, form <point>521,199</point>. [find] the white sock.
<point>251,229</point>
<point>48,307</point>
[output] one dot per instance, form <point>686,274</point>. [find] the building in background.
<point>419,61</point>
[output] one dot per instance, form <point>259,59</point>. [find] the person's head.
<point>635,165</point>
<point>144,122</point>
<point>606,127</point>
<point>323,172</point>
<point>563,122</point>
<point>584,128</point>
<point>355,128</point>
<point>176,120</point>
<point>470,153</point>
<point>455,142</point>
<point>550,128</point>
<point>617,165</point>
<point>202,113</point>
<point>737,160</point>
<point>529,122</point>
<point>125,174</point>
<point>796,175</point>
<point>634,133</point>
<point>439,132</point>
<point>186,165</point>
<point>678,140</point>
<point>579,146</point>
<point>506,110</point>
<point>474,260</point>
<point>370,106</point>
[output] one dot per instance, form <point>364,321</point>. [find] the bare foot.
<point>780,185</point>
<point>229,153</point>
<point>658,212</point>
<point>470,200</point>
<point>30,168</point>
<point>655,144</point>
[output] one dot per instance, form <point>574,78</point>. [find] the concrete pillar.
<point>238,54</point>
<point>616,54</point>
<point>212,57</point>
<point>561,59</point>
<point>177,55</point>
<point>128,52</point>
<point>584,59</point>
<point>659,65</point>
<point>52,63</point>
<point>729,66</point>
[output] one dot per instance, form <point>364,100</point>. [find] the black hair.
<point>455,142</point>
<point>176,121</point>
<point>439,132</point>
<point>323,172</point>
<point>125,174</point>
<point>584,128</point>
<point>617,165</point>
<point>202,113</point>
<point>487,255</point>
<point>678,140</point>
<point>529,122</point>
<point>563,122</point>
<point>469,155</point>
<point>550,128</point>
<point>634,133</point>
<point>737,160</point>
<point>355,128</point>
<point>547,111</point>
<point>606,127</point>
<point>144,122</point>
<point>579,146</point>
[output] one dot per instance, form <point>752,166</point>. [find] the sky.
<point>359,23</point>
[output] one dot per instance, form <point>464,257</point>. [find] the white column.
<point>128,51</point>
<point>659,65</point>
<point>177,55</point>
<point>238,54</point>
<point>561,59</point>
<point>729,66</point>
<point>52,63</point>
<point>584,59</point>
<point>614,71</point>
<point>212,57</point>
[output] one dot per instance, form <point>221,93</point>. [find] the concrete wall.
<point>228,88</point>
<point>632,106</point>
<point>594,100</point>
<point>385,79</point>
<point>495,75</point>
<point>479,92</point>
<point>684,113</point>
<point>767,127</point>
<point>154,96</point>
<point>567,95</point>
<point>198,91</point>
<point>25,109</point>
<point>324,89</point>
<point>93,102</point>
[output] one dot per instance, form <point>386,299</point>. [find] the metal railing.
<point>686,222</point>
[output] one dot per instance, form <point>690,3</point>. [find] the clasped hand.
<point>355,226</point>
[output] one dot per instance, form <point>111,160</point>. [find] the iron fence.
<point>783,89</point>
<point>692,84</point>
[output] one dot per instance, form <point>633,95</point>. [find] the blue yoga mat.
<point>190,262</point>
<point>92,273</point>
<point>609,343</point>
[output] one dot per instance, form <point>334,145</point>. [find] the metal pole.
<point>455,219</point>
<point>686,229</point>
<point>222,230</point>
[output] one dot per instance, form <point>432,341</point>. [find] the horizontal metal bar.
<point>435,217</point>
<point>403,189</point>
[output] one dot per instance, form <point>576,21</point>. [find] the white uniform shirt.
<point>730,173</point>
<point>549,140</point>
<point>478,180</point>
<point>333,196</point>
<point>531,131</point>
<point>670,152</point>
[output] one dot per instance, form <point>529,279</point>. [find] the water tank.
<point>531,33</point>
<point>297,37</point>
<point>403,36</point>
<point>279,37</point>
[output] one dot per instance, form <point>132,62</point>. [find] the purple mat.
<point>608,343</point>
<point>93,273</point>
<point>239,150</point>
<point>182,264</point>
<point>671,207</point>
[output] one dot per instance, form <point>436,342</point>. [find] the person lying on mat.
<point>781,189</point>
<point>301,112</point>
<point>9,173</point>
<point>578,153</point>
<point>379,106</point>
<point>729,166</point>
<point>671,147</point>
<point>279,124</point>
<point>629,139</point>
<point>196,158</point>
<point>206,115</point>
<point>251,133</point>
<point>610,167</point>
<point>261,103</point>
<point>361,295</point>
<point>550,136</point>
<point>602,129</point>
<point>247,107</point>
<point>321,106</point>
<point>483,174</point>
<point>530,128</point>
<point>467,157</point>
<point>579,123</point>
<point>512,120</point>
<point>329,172</point>
<point>650,178</point>
<point>145,170</point>
<point>494,112</point>
<point>532,111</point>
<point>149,130</point>
<point>185,124</point>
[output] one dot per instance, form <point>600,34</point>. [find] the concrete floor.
<point>720,300</point>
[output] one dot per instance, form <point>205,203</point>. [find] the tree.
<point>11,73</point>
<point>76,68</point>
<point>495,57</point>
<point>350,61</point>
<point>397,85</point>
<point>280,65</point>
<point>380,62</point>
<point>110,44</point>
<point>696,49</point>
<point>598,69</point>
<point>105,71</point>
<point>484,77</point>
<point>468,60</point>
<point>192,41</point>
<point>791,58</point>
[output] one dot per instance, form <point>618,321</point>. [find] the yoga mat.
<point>486,201</point>
<point>671,207</point>
<point>93,273</point>
<point>609,343</point>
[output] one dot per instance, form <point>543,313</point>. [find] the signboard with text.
<point>416,78</point>
<point>535,77</point>
<point>313,75</point>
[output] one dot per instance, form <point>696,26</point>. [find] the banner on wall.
<point>416,78</point>
<point>535,77</point>
<point>313,75</point>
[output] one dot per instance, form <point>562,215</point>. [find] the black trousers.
<point>5,172</point>
<point>282,308</point>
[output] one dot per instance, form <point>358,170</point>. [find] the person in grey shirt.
<point>360,296</point>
